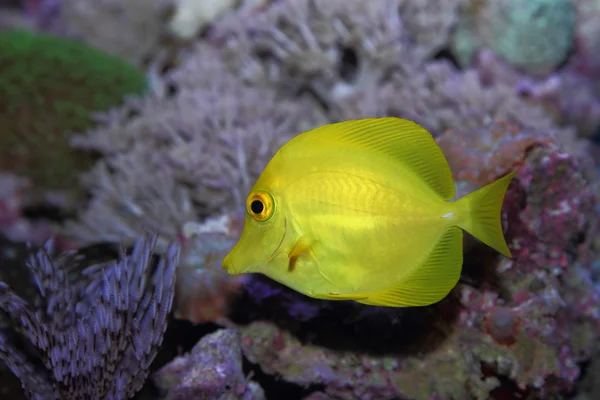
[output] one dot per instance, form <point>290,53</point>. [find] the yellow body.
<point>361,210</point>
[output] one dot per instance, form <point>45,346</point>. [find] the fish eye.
<point>257,206</point>
<point>260,205</point>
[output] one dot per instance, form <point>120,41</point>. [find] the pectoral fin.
<point>302,248</point>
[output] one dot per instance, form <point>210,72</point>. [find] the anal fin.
<point>431,281</point>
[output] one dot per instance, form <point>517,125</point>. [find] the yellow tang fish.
<point>361,210</point>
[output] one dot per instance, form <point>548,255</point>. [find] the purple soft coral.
<point>97,337</point>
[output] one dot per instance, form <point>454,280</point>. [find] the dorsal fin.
<point>400,139</point>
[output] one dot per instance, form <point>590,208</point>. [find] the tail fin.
<point>484,208</point>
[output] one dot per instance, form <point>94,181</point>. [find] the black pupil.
<point>257,206</point>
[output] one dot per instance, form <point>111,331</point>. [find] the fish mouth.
<point>228,266</point>
<point>226,263</point>
<point>281,242</point>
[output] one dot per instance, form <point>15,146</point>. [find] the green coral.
<point>48,88</point>
<point>534,34</point>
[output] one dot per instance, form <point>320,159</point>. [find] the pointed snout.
<point>231,264</point>
<point>227,264</point>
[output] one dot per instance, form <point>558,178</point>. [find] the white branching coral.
<point>368,59</point>
<point>172,159</point>
<point>430,22</point>
<point>126,200</point>
<point>440,98</point>
<point>331,47</point>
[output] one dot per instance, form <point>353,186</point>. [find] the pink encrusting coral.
<point>211,370</point>
<point>484,154</point>
<point>204,291</point>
